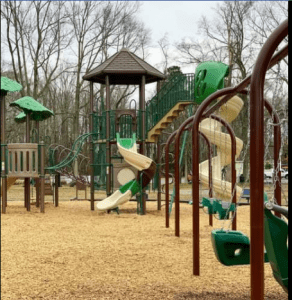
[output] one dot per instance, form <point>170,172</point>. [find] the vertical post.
<point>169,140</point>
<point>57,183</point>
<point>3,153</point>
<point>92,150</point>
<point>257,160</point>
<point>108,149</point>
<point>143,130</point>
<point>158,156</point>
<point>37,186</point>
<point>159,174</point>
<point>27,179</point>
<point>42,179</point>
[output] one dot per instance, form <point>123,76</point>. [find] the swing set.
<point>232,247</point>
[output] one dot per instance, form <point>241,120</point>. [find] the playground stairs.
<point>154,133</point>
<point>174,96</point>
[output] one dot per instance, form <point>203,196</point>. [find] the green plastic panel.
<point>9,85</point>
<point>209,78</point>
<point>127,143</point>
<point>37,111</point>
<point>132,185</point>
<point>276,242</point>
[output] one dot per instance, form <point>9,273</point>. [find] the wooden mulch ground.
<point>71,252</point>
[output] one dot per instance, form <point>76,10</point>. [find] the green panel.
<point>126,143</point>
<point>37,111</point>
<point>231,247</point>
<point>132,185</point>
<point>209,78</point>
<point>223,208</point>
<point>276,242</point>
<point>206,202</point>
<point>9,85</point>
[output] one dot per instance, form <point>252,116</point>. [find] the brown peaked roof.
<point>124,67</point>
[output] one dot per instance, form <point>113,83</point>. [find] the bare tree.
<point>35,35</point>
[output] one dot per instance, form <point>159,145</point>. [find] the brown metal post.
<point>159,175</point>
<point>168,142</point>
<point>210,154</point>
<point>257,160</point>
<point>176,173</point>
<point>37,186</point>
<point>108,146</point>
<point>27,180</point>
<point>3,156</point>
<point>42,179</point>
<point>92,150</point>
<point>143,130</point>
<point>158,87</point>
<point>57,182</point>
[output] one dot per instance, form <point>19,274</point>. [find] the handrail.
<point>73,154</point>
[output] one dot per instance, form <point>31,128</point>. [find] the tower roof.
<point>124,67</point>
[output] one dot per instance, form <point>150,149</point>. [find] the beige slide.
<point>135,159</point>
<point>140,162</point>
<point>212,129</point>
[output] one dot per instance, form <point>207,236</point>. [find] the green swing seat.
<point>223,209</point>
<point>232,247</point>
<point>208,202</point>
<point>217,206</point>
<point>276,238</point>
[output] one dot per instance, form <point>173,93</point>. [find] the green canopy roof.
<point>9,85</point>
<point>37,111</point>
<point>20,118</point>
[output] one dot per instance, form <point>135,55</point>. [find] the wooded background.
<point>48,46</point>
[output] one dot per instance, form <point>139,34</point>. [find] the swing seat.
<point>223,209</point>
<point>208,202</point>
<point>231,247</point>
<point>276,239</point>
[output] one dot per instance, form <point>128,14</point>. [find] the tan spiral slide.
<point>212,129</point>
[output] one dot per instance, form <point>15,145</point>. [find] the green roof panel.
<point>9,85</point>
<point>37,111</point>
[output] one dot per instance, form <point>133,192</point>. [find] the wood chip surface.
<point>71,252</point>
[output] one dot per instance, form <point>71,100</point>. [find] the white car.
<point>270,172</point>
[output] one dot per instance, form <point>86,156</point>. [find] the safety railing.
<point>23,160</point>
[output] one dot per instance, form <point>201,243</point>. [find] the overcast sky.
<point>177,18</point>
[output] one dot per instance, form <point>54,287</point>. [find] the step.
<point>166,120</point>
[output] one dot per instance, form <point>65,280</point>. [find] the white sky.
<point>177,18</point>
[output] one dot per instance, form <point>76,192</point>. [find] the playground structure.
<point>23,160</point>
<point>155,117</point>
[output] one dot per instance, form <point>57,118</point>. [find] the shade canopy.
<point>9,85</point>
<point>124,67</point>
<point>37,111</point>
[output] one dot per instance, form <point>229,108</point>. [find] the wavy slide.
<point>212,129</point>
<point>128,149</point>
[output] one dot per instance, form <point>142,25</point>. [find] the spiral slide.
<point>128,149</point>
<point>212,129</point>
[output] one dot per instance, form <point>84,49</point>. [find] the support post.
<point>57,182</point>
<point>42,178</point>
<point>159,157</point>
<point>143,131</point>
<point>27,180</point>
<point>108,146</point>
<point>91,150</point>
<point>3,153</point>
